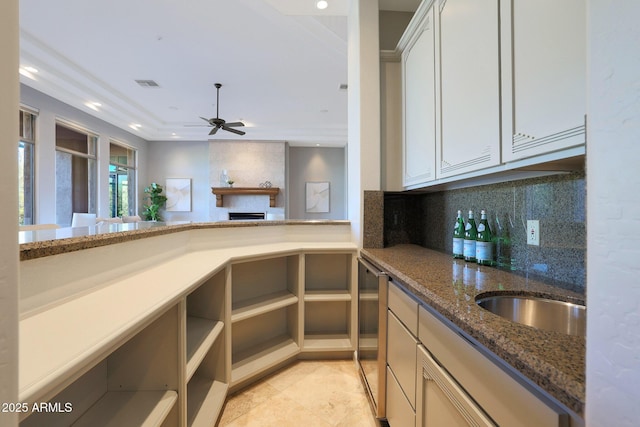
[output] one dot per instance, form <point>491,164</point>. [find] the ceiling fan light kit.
<point>218,123</point>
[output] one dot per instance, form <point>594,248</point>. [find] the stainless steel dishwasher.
<point>372,335</point>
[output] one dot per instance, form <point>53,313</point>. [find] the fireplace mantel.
<point>220,192</point>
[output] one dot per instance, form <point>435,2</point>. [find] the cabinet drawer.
<point>404,307</point>
<point>401,356</point>
<point>504,398</point>
<point>399,411</point>
<point>441,401</point>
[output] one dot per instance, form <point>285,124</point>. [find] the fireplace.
<point>246,216</point>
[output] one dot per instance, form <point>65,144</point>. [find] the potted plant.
<point>156,201</point>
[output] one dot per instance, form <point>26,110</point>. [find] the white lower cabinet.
<point>504,399</point>
<point>399,410</point>
<point>402,344</point>
<point>438,378</point>
<point>401,356</point>
<point>440,401</point>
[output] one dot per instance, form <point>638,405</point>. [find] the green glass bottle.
<point>484,241</point>
<point>470,235</point>
<point>458,237</point>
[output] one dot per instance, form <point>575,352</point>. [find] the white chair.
<point>32,227</point>
<point>83,219</point>
<point>131,218</point>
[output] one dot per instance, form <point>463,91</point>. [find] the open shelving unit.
<point>206,375</point>
<point>264,314</point>
<point>137,384</point>
<point>328,302</point>
<point>164,346</point>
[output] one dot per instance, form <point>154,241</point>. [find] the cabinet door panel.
<point>419,105</point>
<point>399,411</point>
<point>401,356</point>
<point>469,86</point>
<point>441,401</point>
<point>544,75</point>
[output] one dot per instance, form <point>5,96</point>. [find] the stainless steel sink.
<point>541,313</point>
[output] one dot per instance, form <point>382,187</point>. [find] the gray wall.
<point>315,164</point>
<point>50,109</point>
<point>182,159</point>
<point>558,202</point>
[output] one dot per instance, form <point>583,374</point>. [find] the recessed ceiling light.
<point>93,105</point>
<point>23,71</point>
<point>31,69</point>
<point>135,126</point>
<point>322,4</point>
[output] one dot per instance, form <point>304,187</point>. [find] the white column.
<point>613,214</point>
<point>9,104</point>
<point>363,149</point>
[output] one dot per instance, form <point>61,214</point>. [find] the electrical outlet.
<point>533,232</point>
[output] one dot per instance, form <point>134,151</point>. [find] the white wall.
<point>613,214</point>
<point>182,159</point>
<point>51,109</point>
<point>363,147</point>
<point>9,102</point>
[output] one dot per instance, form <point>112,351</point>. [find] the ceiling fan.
<point>218,123</point>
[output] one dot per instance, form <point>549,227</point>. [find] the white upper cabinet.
<point>419,103</point>
<point>543,76</point>
<point>469,91</point>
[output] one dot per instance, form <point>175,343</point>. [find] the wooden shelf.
<point>264,304</point>
<point>204,401</point>
<point>139,408</point>
<point>220,192</point>
<point>327,295</point>
<point>327,342</point>
<point>201,334</point>
<point>262,356</point>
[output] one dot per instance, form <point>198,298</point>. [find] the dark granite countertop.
<point>41,243</point>
<point>552,360</point>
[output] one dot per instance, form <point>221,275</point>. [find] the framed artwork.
<point>178,195</point>
<point>317,196</point>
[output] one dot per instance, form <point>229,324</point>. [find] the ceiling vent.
<point>147,83</point>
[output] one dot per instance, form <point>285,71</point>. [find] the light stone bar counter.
<point>552,360</point>
<point>42,243</point>
<point>84,294</point>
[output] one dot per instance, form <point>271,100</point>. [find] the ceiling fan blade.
<point>234,124</point>
<point>228,129</point>
<point>214,130</point>
<point>206,120</point>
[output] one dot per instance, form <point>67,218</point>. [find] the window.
<point>76,172</point>
<point>122,180</point>
<point>26,148</point>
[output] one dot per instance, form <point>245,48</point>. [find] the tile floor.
<point>306,393</point>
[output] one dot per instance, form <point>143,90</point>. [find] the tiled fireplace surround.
<point>248,163</point>
<point>427,219</point>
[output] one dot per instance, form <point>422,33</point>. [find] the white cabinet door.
<point>469,86</point>
<point>544,76</point>
<point>418,76</point>
<point>401,356</point>
<point>399,411</point>
<point>441,401</point>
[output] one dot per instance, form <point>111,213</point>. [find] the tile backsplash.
<point>558,202</point>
